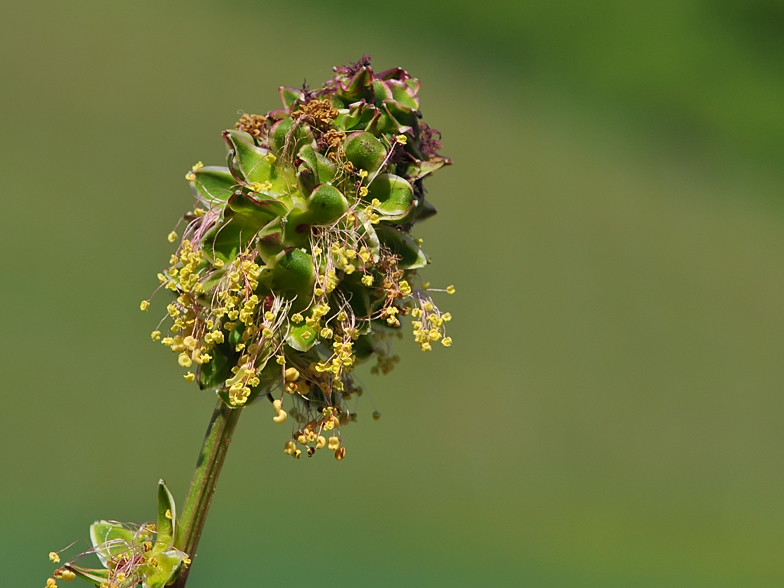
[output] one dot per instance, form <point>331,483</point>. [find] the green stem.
<point>205,478</point>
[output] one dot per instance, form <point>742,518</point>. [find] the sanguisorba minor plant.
<point>296,263</point>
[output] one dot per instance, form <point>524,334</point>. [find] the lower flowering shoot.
<point>131,554</point>
<point>297,261</point>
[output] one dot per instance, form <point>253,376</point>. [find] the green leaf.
<point>110,540</point>
<point>213,184</point>
<point>95,575</point>
<point>395,194</point>
<point>262,210</point>
<point>358,296</point>
<point>167,514</point>
<point>243,218</point>
<point>403,95</point>
<point>411,256</point>
<point>359,116</point>
<point>169,561</point>
<point>419,169</point>
<point>252,162</point>
<point>214,372</point>
<point>301,337</point>
<point>289,95</point>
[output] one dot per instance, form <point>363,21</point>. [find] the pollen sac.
<point>298,260</point>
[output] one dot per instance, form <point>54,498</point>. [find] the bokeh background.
<point>611,411</point>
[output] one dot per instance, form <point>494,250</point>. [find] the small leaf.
<point>252,162</point>
<point>289,95</point>
<point>95,575</point>
<point>419,169</point>
<point>403,95</point>
<point>168,562</point>
<point>396,196</point>
<point>214,372</point>
<point>110,540</point>
<point>167,514</point>
<point>301,337</point>
<point>411,256</point>
<point>243,218</point>
<point>213,184</point>
<point>360,116</point>
<point>261,210</point>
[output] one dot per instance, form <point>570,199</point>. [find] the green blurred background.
<point>611,411</point>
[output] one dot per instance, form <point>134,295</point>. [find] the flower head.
<point>298,262</point>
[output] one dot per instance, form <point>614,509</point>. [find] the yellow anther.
<point>190,176</point>
<point>367,280</point>
<point>189,377</point>
<point>50,583</point>
<point>184,360</point>
<point>340,453</point>
<point>375,202</point>
<point>197,167</point>
<point>342,316</point>
<point>291,374</point>
<point>402,139</point>
<point>450,289</point>
<point>168,514</point>
<point>172,237</point>
<point>54,557</point>
<point>405,288</point>
<point>296,318</point>
<point>363,173</point>
<point>144,305</point>
<point>281,359</point>
<point>270,158</point>
<point>320,442</point>
<point>67,575</point>
<point>333,443</point>
<point>363,191</point>
<point>290,448</point>
<point>446,341</point>
<point>186,562</point>
<point>446,317</point>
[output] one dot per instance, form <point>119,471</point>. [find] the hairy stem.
<point>205,478</point>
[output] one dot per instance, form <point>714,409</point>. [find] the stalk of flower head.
<point>296,264</point>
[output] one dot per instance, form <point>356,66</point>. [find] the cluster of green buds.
<point>297,261</point>
<point>131,554</point>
